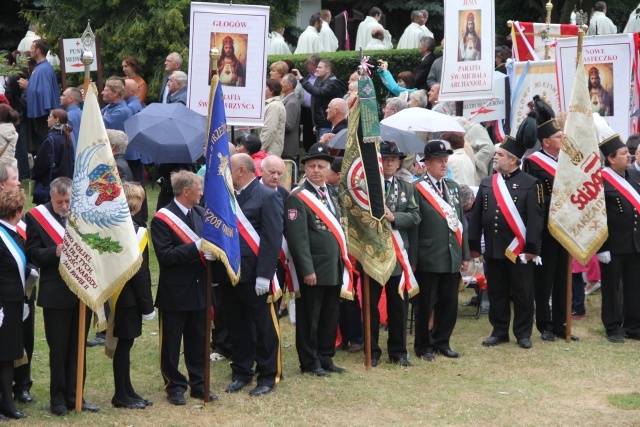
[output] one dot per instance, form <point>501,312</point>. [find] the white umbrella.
<point>417,119</point>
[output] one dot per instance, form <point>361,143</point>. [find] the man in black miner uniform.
<point>508,277</point>
<point>403,214</point>
<point>550,278</point>
<point>316,255</point>
<point>439,254</point>
<point>249,307</point>
<point>60,306</point>
<point>619,256</point>
<point>181,288</point>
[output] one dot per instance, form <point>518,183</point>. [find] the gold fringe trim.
<point>413,292</point>
<point>346,295</point>
<point>222,256</point>
<point>510,255</point>
<point>274,297</point>
<point>22,361</point>
<point>118,283</point>
<point>583,257</point>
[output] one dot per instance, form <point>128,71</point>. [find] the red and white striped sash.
<point>336,230</point>
<point>290,269</point>
<point>622,186</point>
<point>181,229</point>
<point>443,208</point>
<point>508,209</point>
<point>54,229</point>
<point>21,229</point>
<point>545,162</point>
<point>408,280</point>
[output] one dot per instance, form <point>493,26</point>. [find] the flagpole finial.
<point>214,54</point>
<point>509,23</point>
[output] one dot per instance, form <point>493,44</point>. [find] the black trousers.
<point>507,281</point>
<point>317,312</point>
<point>438,295</point>
<point>550,279</point>
<point>620,283</point>
<point>37,130</point>
<point>396,343</point>
<point>254,334</point>
<point>188,328</point>
<point>308,137</point>
<point>22,374</point>
<point>350,321</point>
<point>61,331</point>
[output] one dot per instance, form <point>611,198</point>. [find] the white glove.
<point>1,316</point>
<point>209,256</point>
<point>33,278</point>
<point>262,285</point>
<point>523,258</point>
<point>25,312</point>
<point>604,257</point>
<point>537,260</point>
<point>150,316</point>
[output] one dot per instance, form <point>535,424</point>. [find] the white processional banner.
<point>528,79</point>
<point>240,33</point>
<point>469,54</point>
<point>488,110</point>
<point>608,62</point>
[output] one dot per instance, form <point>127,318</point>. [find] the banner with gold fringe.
<point>100,252</point>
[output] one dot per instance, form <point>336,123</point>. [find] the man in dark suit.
<point>403,214</point>
<point>271,172</point>
<point>421,72</point>
<point>316,255</point>
<point>249,305</point>
<point>509,271</point>
<point>60,306</point>
<point>177,88</point>
<point>172,63</point>
<point>441,251</point>
<point>292,106</point>
<point>176,232</point>
<point>619,256</point>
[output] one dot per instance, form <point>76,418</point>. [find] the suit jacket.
<point>114,115</point>
<point>343,124</point>
<point>263,208</point>
<point>163,85</point>
<point>179,96</point>
<point>137,291</point>
<point>181,285</point>
<point>405,210</point>
<point>546,179</point>
<point>292,126</point>
<point>421,72</point>
<point>322,92</point>
<point>622,218</point>
<point>435,74</point>
<point>41,251</point>
<point>526,193</point>
<point>123,168</point>
<point>11,285</point>
<point>313,247</point>
<point>438,249</point>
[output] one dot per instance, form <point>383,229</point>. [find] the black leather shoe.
<point>235,386</point>
<point>24,397</point>
<point>525,343</point>
<point>177,398</point>
<point>85,407</point>
<point>96,342</point>
<point>3,418</point>
<point>402,361</point>
<point>629,336</point>
<point>429,357</point>
<point>333,368</point>
<point>616,339</point>
<point>548,336</point>
<point>199,394</point>
<point>118,404</point>
<point>472,301</point>
<point>564,337</point>
<point>145,402</point>
<point>317,372</point>
<point>374,362</point>
<point>493,341</point>
<point>447,352</point>
<point>59,410</point>
<point>261,390</point>
<point>13,413</point>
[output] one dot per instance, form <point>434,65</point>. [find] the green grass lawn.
<point>588,383</point>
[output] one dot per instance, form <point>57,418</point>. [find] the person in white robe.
<point>363,37</point>
<point>599,23</point>
<point>327,38</point>
<point>633,24</point>
<point>423,27</point>
<point>309,41</point>
<point>377,40</point>
<point>277,45</point>
<point>410,39</point>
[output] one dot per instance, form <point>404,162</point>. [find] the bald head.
<point>337,110</point>
<point>272,169</point>
<point>242,170</point>
<point>377,33</point>
<point>130,88</point>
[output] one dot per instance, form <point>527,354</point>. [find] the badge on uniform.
<point>515,186</point>
<point>292,214</point>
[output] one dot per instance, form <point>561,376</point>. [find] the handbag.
<point>41,193</point>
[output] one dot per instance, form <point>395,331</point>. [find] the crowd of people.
<point>442,206</point>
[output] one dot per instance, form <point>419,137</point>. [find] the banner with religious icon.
<point>608,61</point>
<point>469,54</point>
<point>239,32</point>
<point>528,79</point>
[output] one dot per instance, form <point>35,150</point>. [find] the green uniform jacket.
<point>406,213</point>
<point>312,245</point>
<point>438,250</point>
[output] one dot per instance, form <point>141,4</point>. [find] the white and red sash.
<point>54,229</point>
<point>443,208</point>
<point>508,209</point>
<point>336,229</point>
<point>290,269</point>
<point>545,162</point>
<point>622,186</point>
<point>21,229</point>
<point>251,236</point>
<point>408,280</point>
<point>181,229</point>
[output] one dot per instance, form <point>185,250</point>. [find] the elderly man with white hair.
<point>172,63</point>
<point>119,141</point>
<point>177,88</point>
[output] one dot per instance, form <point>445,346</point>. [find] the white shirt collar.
<point>242,189</point>
<point>9,226</point>
<point>183,209</point>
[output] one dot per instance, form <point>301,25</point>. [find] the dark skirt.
<point>128,322</point>
<point>11,343</point>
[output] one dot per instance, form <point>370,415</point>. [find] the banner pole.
<point>81,343</point>
<point>569,297</point>
<point>366,296</point>
<point>207,338</point>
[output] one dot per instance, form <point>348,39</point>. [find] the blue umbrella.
<point>407,142</point>
<point>169,133</point>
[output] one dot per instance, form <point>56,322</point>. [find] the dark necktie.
<point>323,193</point>
<point>190,218</point>
<point>387,184</point>
<point>64,221</point>
<point>439,186</point>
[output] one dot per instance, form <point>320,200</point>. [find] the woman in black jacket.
<point>133,304</point>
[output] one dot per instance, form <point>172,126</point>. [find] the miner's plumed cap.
<point>547,124</point>
<point>318,151</point>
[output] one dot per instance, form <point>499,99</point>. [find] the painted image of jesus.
<point>470,47</point>
<point>232,64</point>
<point>601,88</point>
